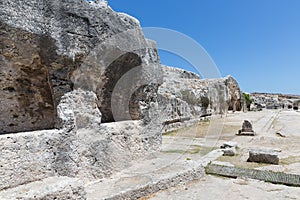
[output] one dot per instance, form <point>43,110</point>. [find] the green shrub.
<point>248,100</point>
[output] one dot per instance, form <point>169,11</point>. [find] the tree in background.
<point>248,100</point>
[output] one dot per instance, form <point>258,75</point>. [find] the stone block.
<point>263,156</point>
<point>229,152</point>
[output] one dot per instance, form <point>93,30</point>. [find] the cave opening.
<point>113,74</point>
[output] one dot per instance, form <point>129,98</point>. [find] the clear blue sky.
<point>256,41</point>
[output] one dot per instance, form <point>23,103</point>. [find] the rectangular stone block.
<point>263,156</point>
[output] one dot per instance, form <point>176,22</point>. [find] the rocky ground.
<point>266,124</point>
<point>97,84</point>
<point>211,187</point>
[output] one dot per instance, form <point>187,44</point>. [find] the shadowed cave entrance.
<point>112,74</point>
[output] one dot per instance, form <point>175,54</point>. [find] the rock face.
<point>49,48</point>
<point>27,101</point>
<point>78,110</point>
<point>90,73</point>
<point>275,101</point>
<point>86,151</point>
<point>187,97</point>
<point>60,66</point>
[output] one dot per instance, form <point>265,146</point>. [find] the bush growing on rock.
<point>248,100</point>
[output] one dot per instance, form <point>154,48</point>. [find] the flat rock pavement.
<point>211,187</point>
<point>152,174</point>
<point>266,123</point>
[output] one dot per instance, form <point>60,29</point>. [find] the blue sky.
<point>255,41</point>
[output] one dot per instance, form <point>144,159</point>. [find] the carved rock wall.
<point>60,62</point>
<point>187,97</point>
<point>49,48</point>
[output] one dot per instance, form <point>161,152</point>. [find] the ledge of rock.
<point>50,188</point>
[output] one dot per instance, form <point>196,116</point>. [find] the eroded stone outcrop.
<point>60,65</point>
<point>26,91</point>
<point>75,66</point>
<point>275,101</point>
<point>50,48</point>
<point>187,97</point>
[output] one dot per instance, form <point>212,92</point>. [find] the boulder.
<point>229,148</point>
<point>229,151</point>
<point>263,156</point>
<point>229,145</point>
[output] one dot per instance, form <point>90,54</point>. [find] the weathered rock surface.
<point>27,157</point>
<point>50,188</point>
<point>263,156</point>
<point>71,48</point>
<point>49,48</point>
<point>229,148</point>
<point>229,151</point>
<point>229,144</point>
<point>27,101</point>
<point>59,66</point>
<point>187,97</point>
<point>275,101</point>
<point>88,154</point>
<point>78,110</point>
<point>63,67</point>
<point>246,129</point>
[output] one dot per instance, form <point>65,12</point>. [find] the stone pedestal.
<point>247,129</point>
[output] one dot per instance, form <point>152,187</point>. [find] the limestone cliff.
<point>60,62</point>
<point>187,97</point>
<point>275,101</point>
<point>89,74</point>
<point>48,48</point>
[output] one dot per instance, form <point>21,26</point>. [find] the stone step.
<point>147,178</point>
<point>267,176</point>
<point>49,188</point>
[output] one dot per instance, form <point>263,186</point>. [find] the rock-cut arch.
<point>112,74</point>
